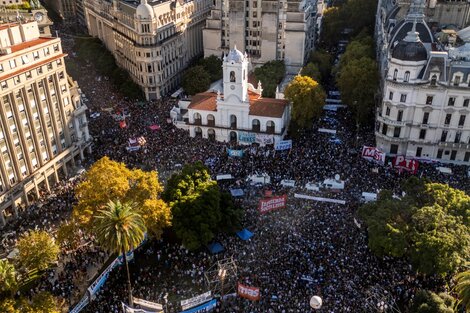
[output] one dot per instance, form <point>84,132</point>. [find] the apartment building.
<point>266,30</point>
<point>425,109</point>
<point>43,126</point>
<point>154,41</point>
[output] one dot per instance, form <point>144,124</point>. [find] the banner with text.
<point>402,163</point>
<point>206,307</point>
<point>264,139</point>
<point>194,301</point>
<point>251,293</point>
<point>283,145</point>
<point>235,153</point>
<point>128,309</point>
<point>266,205</point>
<point>247,137</point>
<point>148,305</point>
<point>373,154</point>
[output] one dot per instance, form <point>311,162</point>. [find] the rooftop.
<point>29,44</point>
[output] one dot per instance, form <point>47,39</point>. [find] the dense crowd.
<point>305,249</point>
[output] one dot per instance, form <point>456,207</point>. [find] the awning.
<point>215,248</point>
<point>244,234</point>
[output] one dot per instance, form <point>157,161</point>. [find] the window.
<point>36,55</point>
<point>419,150</point>
<point>439,154</point>
<point>407,77</point>
<point>395,74</point>
<point>393,149</point>
<point>425,118</point>
<point>465,102</point>
<point>402,98</point>
<point>457,80</point>
<point>433,80</point>
<point>466,158</point>
<point>448,119</point>
<point>12,64</point>
<point>400,115</point>
<point>458,135</point>
<point>390,96</point>
<point>462,120</point>
<point>451,101</point>
<point>396,132</point>
<point>387,111</point>
<point>232,76</point>
<point>39,70</point>
<point>24,59</point>
<point>384,129</point>
<point>429,100</point>
<point>453,154</point>
<point>444,136</point>
<point>422,134</point>
<point>1,68</point>
<point>4,84</point>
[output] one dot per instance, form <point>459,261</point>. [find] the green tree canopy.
<point>307,99</point>
<point>196,203</point>
<point>213,66</point>
<point>333,23</point>
<point>311,70</point>
<point>462,288</point>
<point>42,302</point>
<point>108,180</point>
<point>429,302</point>
<point>323,60</point>
<point>358,49</point>
<point>8,281</point>
<point>270,75</point>
<point>429,226</point>
<point>37,250</point>
<point>361,72</point>
<point>195,80</point>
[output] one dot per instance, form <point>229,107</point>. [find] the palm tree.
<point>119,229</point>
<point>7,276</point>
<point>462,288</point>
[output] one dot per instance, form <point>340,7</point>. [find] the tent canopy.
<point>215,248</point>
<point>244,234</point>
<point>237,192</point>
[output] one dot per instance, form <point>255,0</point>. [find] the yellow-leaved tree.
<point>108,180</point>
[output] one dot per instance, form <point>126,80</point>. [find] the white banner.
<point>296,195</point>
<point>128,309</point>
<point>192,302</point>
<point>264,139</point>
<point>147,304</point>
<point>283,145</point>
<point>326,130</point>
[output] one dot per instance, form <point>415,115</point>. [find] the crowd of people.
<point>308,248</point>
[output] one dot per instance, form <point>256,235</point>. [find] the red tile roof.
<point>267,107</point>
<point>29,44</point>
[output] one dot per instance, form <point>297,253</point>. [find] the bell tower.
<point>235,75</point>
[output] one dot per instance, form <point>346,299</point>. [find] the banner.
<point>246,137</point>
<point>402,163</point>
<point>128,309</point>
<point>266,205</point>
<point>264,139</point>
<point>192,302</point>
<point>235,153</point>
<point>373,154</point>
<point>251,293</point>
<point>283,145</point>
<point>330,200</point>
<point>206,307</point>
<point>147,305</point>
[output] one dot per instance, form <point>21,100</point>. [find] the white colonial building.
<point>426,94</point>
<point>240,113</point>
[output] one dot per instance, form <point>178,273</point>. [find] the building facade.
<point>153,41</point>
<point>36,13</point>
<point>266,30</point>
<point>43,126</point>
<point>425,106</point>
<point>239,113</point>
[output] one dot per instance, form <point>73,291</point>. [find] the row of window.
<point>255,124</point>
<point>456,81</point>
<point>17,79</point>
<point>25,59</point>
<point>429,99</point>
<point>447,119</point>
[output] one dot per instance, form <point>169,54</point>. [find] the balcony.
<point>391,122</point>
<point>453,145</point>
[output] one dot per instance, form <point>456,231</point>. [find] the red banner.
<point>266,205</point>
<point>373,154</point>
<point>402,163</point>
<point>247,292</point>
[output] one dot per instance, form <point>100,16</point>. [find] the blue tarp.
<point>206,307</point>
<point>215,248</point>
<point>236,192</point>
<point>244,234</point>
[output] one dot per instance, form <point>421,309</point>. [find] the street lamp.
<point>316,302</point>
<point>165,298</point>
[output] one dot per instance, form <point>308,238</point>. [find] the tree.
<point>333,22</point>
<point>196,201</point>
<point>37,250</point>
<point>270,75</point>
<point>119,229</point>
<point>8,281</point>
<point>429,302</point>
<point>213,66</point>
<point>311,70</point>
<point>42,302</point>
<point>68,235</point>
<point>462,288</point>
<point>356,50</point>
<point>359,72</point>
<point>307,99</point>
<point>323,60</point>
<point>108,180</point>
<point>8,305</point>
<point>430,227</point>
<point>195,80</point>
